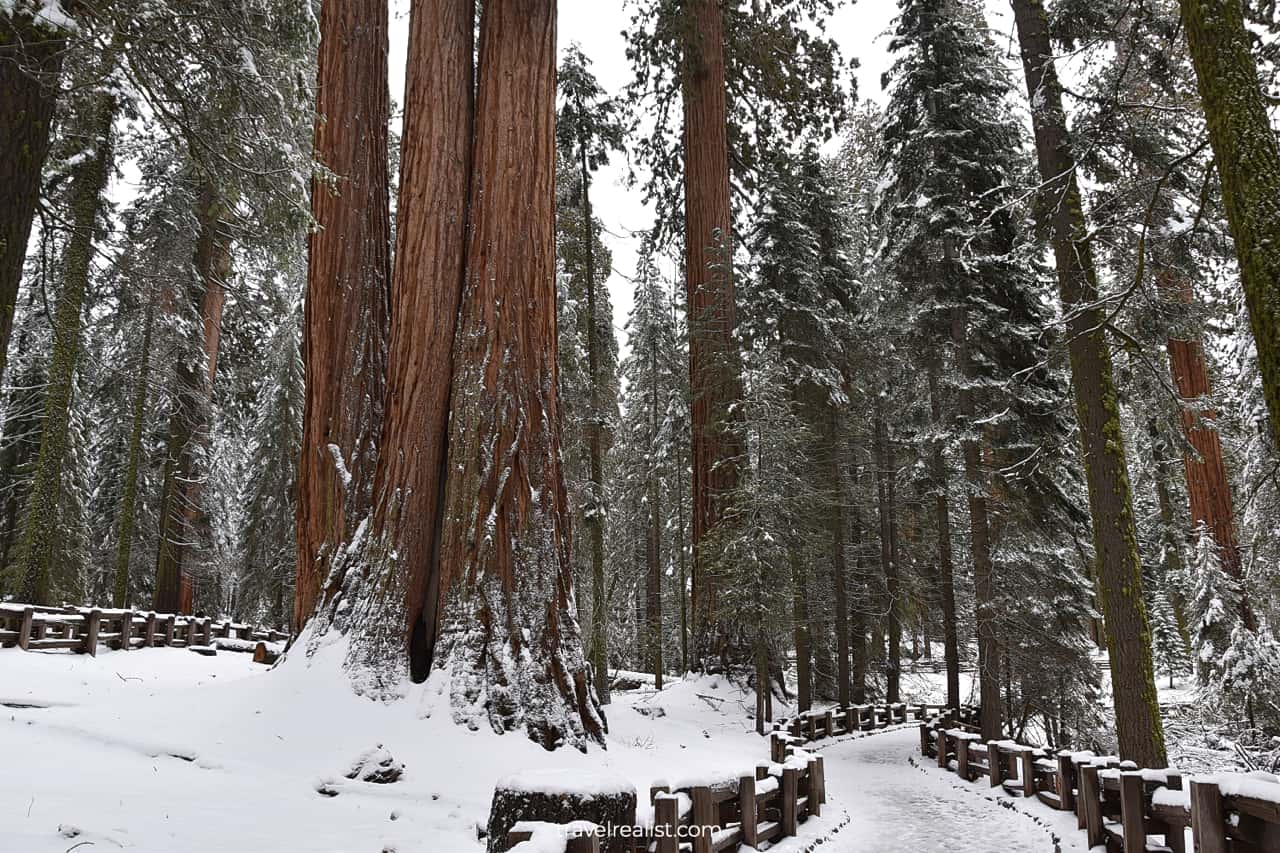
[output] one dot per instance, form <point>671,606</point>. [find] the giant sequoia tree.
<point>348,277</point>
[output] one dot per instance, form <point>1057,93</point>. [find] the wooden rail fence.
<point>710,816</point>
<point>847,719</point>
<point>1118,805</point>
<point>84,629</point>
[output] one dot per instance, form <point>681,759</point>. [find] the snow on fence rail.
<point>847,719</point>
<point>1120,806</point>
<point>83,629</point>
<point>709,815</point>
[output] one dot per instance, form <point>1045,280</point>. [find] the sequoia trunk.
<point>347,304</point>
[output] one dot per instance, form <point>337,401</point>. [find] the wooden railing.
<point>1116,803</point>
<point>847,719</point>
<point>84,629</point>
<point>711,817</point>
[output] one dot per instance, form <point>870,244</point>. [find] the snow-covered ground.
<point>163,750</point>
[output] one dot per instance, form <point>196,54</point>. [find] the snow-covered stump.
<point>562,797</point>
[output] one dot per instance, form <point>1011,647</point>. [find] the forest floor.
<point>162,750</point>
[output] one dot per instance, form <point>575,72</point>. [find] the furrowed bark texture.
<point>129,496</point>
<point>1248,160</point>
<point>348,280</point>
<point>509,638</point>
<point>30,67</point>
<point>1138,724</point>
<point>713,361</point>
<point>184,525</point>
<point>389,599</point>
<point>1208,487</point>
<point>89,180</point>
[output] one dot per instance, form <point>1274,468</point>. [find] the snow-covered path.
<point>894,804</point>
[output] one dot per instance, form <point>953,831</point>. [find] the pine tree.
<point>1167,645</point>
<point>587,129</point>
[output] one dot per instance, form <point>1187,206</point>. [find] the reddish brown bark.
<point>183,522</point>
<point>713,361</point>
<point>1208,488</point>
<point>348,274</point>
<point>508,633</point>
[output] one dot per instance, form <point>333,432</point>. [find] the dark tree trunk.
<point>505,614</point>
<point>184,523</point>
<point>595,455</point>
<point>653,545</point>
<point>30,68</point>
<point>886,500</point>
<point>129,496</point>
<point>946,567</point>
<point>1138,724</point>
<point>1248,161</point>
<point>88,182</point>
<point>839,568</point>
<point>713,362</point>
<point>347,305</point>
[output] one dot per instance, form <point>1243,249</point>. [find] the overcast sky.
<point>598,25</point>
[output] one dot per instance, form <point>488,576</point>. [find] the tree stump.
<point>262,654</point>
<point>562,796</point>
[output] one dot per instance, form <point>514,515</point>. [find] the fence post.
<point>1078,767</point>
<point>994,770</point>
<point>1208,826</point>
<point>1066,796</point>
<point>1028,770</point>
<point>149,631</point>
<point>962,758</point>
<point>1090,799</point>
<point>1135,832</point>
<point>942,748</point>
<point>126,630</point>
<point>822,778</point>
<point>704,819</point>
<point>586,842</point>
<point>92,624</point>
<point>828,725</point>
<point>790,789</point>
<point>24,629</point>
<point>747,809</point>
<point>924,740</point>
<point>666,818</point>
<point>168,629</point>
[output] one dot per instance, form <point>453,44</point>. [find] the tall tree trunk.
<point>654,543</point>
<point>946,567</point>
<point>30,68</point>
<point>839,568</point>
<point>595,453</point>
<point>1141,734</point>
<point>348,276</point>
<point>984,581</point>
<point>88,182</point>
<point>885,476</point>
<point>129,496</point>
<point>184,523</point>
<point>1248,161</point>
<point>683,565</point>
<point>858,610</point>
<point>1208,487</point>
<point>713,361</point>
<point>508,634</point>
<point>385,593</point>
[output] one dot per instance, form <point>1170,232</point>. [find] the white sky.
<point>597,25</point>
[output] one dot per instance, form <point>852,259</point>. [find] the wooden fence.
<point>84,629</point>
<point>1118,805</point>
<point>711,816</point>
<point>847,719</point>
